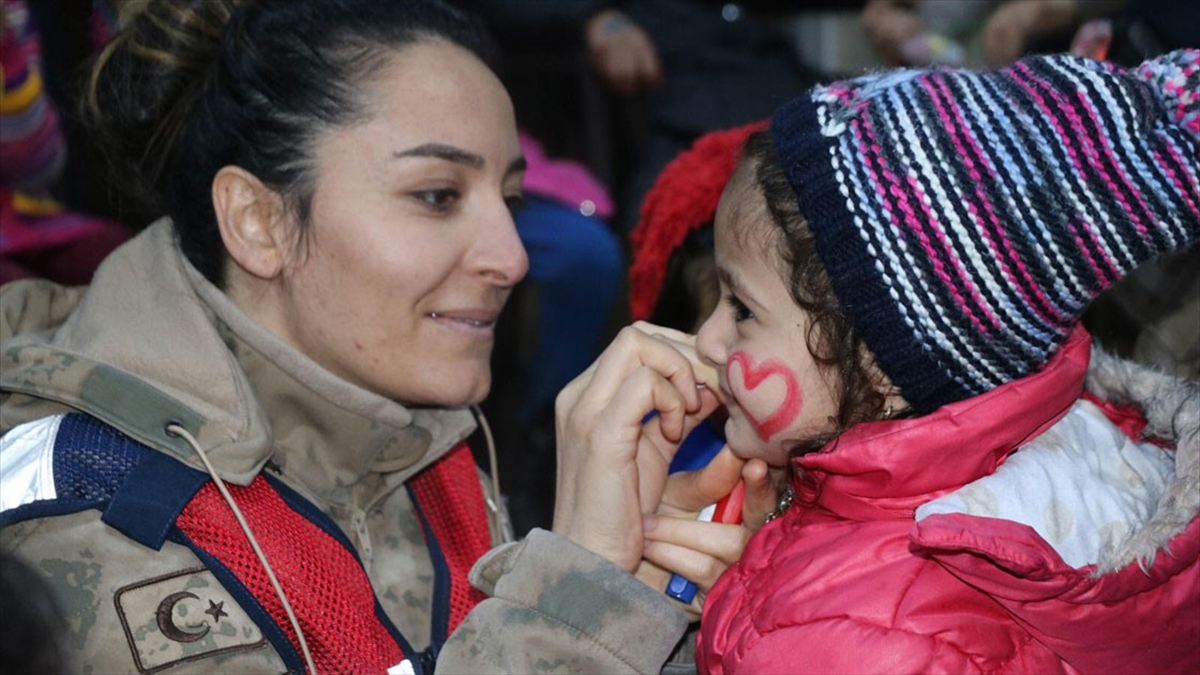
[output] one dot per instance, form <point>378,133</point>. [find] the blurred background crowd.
<point>607,93</point>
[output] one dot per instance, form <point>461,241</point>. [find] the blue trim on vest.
<point>441,583</point>
<point>46,508</point>
<point>152,497</point>
<point>92,461</point>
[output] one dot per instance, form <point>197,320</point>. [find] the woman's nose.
<point>501,256</point>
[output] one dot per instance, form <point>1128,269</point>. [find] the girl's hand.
<point>612,460</point>
<point>699,551</point>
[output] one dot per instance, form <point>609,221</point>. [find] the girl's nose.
<point>711,343</point>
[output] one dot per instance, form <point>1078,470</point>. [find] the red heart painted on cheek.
<point>752,377</point>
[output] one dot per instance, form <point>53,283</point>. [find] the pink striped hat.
<point>966,219</point>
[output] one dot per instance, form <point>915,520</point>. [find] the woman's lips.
<point>476,323</point>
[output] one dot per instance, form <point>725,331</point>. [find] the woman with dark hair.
<point>246,447</point>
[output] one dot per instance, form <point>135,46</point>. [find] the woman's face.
<point>775,392</point>
<point>411,252</point>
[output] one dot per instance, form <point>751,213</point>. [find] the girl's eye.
<point>740,311</point>
<point>515,203</point>
<point>440,199</point>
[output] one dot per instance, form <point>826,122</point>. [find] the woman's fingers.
<point>609,474</point>
<point>630,350</point>
<point>601,453</point>
<point>708,550</point>
<point>614,455</point>
<point>643,390</point>
<point>663,435</point>
<point>692,547</point>
<point>688,492</point>
<point>685,343</point>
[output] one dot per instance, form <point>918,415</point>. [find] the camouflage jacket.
<point>151,342</point>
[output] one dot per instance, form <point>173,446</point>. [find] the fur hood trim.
<point>1171,406</point>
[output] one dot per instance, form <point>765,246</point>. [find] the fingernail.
<point>649,522</point>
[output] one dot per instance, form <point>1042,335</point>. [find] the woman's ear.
<point>252,220</point>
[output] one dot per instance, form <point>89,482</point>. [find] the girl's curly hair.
<point>832,339</point>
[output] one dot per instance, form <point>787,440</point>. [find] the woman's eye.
<point>740,311</point>
<point>440,199</point>
<point>515,203</point>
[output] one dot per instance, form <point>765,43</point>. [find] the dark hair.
<point>32,639</point>
<point>190,86</point>
<point>690,289</point>
<point>831,339</point>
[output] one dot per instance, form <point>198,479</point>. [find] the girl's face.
<point>775,392</point>
<point>412,251</point>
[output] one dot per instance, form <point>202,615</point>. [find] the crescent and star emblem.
<point>166,622</point>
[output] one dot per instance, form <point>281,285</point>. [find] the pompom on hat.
<point>966,219</point>
<point>683,199</point>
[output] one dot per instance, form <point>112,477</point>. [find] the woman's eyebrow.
<point>456,155</point>
<point>443,151</point>
<point>518,165</point>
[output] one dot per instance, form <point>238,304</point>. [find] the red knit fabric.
<point>452,499</point>
<point>326,586</point>
<point>684,197</point>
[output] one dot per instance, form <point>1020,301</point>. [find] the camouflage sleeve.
<point>557,608</point>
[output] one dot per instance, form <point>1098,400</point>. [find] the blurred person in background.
<point>39,235</point>
<point>692,65</point>
<point>977,34</point>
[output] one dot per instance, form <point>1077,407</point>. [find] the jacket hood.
<point>1137,608</point>
<point>151,342</point>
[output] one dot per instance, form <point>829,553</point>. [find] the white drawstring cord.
<point>494,468</point>
<point>493,471</point>
<point>179,431</point>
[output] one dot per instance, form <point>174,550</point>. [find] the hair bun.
<point>146,80</point>
<point>1175,77</point>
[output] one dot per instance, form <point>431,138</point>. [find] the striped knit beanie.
<point>966,219</point>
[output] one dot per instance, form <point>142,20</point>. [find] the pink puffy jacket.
<point>848,581</point>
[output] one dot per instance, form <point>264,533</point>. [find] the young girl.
<point>903,259</point>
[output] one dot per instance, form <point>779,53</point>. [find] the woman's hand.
<point>699,551</point>
<point>612,460</point>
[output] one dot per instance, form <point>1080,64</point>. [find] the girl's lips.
<point>726,396</point>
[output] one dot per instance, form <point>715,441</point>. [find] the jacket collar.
<point>886,469</point>
<point>327,432</point>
